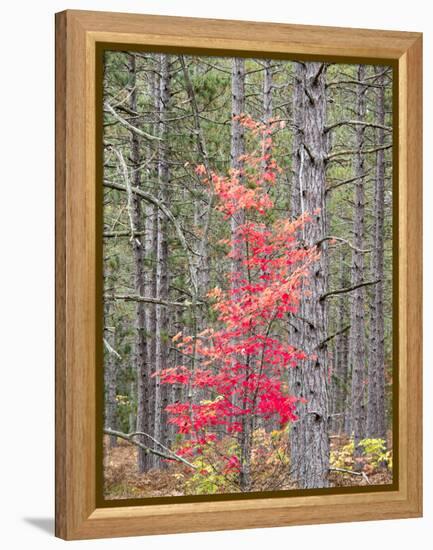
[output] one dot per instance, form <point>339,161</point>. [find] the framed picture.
<point>238,274</point>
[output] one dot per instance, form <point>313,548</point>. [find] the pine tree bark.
<point>376,414</point>
<point>357,298</point>
<point>110,384</point>
<point>340,384</point>
<point>267,102</point>
<point>237,149</point>
<point>150,246</point>
<point>201,220</point>
<point>298,101</point>
<point>295,325</point>
<point>162,283</point>
<point>110,379</point>
<point>267,107</point>
<point>141,365</point>
<point>309,434</point>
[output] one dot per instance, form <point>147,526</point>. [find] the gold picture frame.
<point>81,36</point>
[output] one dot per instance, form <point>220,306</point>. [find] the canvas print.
<point>248,275</point>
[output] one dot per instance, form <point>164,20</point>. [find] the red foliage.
<point>243,362</point>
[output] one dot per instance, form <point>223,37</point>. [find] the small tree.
<point>242,363</point>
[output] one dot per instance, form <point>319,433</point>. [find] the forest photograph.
<point>247,248</point>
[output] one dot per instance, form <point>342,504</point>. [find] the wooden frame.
<point>77,35</point>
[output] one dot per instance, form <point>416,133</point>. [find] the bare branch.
<point>357,152</point>
<point>111,349</point>
<point>167,212</point>
<point>344,471</point>
<point>319,72</point>
<point>129,204</point>
<point>348,289</point>
<point>202,150</point>
<point>115,234</point>
<point>201,146</point>
<point>344,182</point>
<point>108,108</point>
<point>303,319</point>
<point>357,123</point>
<point>149,300</point>
<point>345,241</point>
<point>130,438</point>
<point>337,333</point>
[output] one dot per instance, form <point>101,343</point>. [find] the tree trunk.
<point>376,419</point>
<point>132,418</point>
<point>267,108</point>
<point>298,121</point>
<point>237,149</point>
<point>141,365</point>
<point>150,251</point>
<point>162,284</point>
<point>110,384</point>
<point>340,380</point>
<point>309,434</point>
<point>295,325</point>
<point>357,324</point>
<point>110,376</point>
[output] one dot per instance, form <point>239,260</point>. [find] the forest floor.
<point>122,480</point>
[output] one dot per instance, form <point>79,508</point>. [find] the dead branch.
<point>115,234</point>
<point>110,349</point>
<point>201,145</point>
<point>357,123</point>
<point>130,202</point>
<point>167,212</point>
<point>344,182</point>
<point>344,471</point>
<point>357,152</point>
<point>202,150</point>
<point>149,300</point>
<point>345,241</point>
<point>337,333</point>
<point>108,108</point>
<point>130,438</point>
<point>348,289</point>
